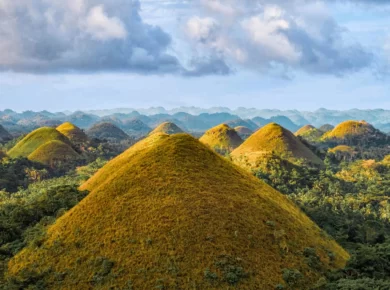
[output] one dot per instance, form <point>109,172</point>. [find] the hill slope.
<point>277,140</point>
<point>309,133</point>
<point>243,132</point>
<point>171,214</point>
<point>221,138</point>
<point>167,128</point>
<point>36,139</point>
<point>356,133</point>
<point>107,131</point>
<point>5,136</point>
<point>74,133</point>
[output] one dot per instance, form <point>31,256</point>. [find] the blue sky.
<point>266,54</point>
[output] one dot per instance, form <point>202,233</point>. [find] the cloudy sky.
<point>287,54</point>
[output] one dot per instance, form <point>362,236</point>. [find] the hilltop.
<point>326,128</point>
<point>54,153</point>
<point>5,136</point>
<point>74,133</point>
<point>243,132</point>
<point>356,133</point>
<point>309,133</point>
<point>107,131</point>
<point>36,139</point>
<point>167,128</point>
<point>222,139</point>
<point>277,140</point>
<point>171,214</point>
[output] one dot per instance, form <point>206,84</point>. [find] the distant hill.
<point>326,128</point>
<point>36,139</point>
<point>54,153</point>
<point>74,133</point>
<point>309,133</point>
<point>135,128</point>
<point>243,132</point>
<point>280,120</point>
<point>356,133</point>
<point>107,131</point>
<point>5,136</point>
<point>171,214</point>
<point>243,123</point>
<point>82,120</point>
<point>167,128</point>
<point>277,140</point>
<point>222,139</point>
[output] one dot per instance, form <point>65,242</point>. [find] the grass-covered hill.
<point>5,136</point>
<point>74,133</point>
<point>275,140</point>
<point>171,214</point>
<point>54,153</point>
<point>326,128</point>
<point>222,139</point>
<point>309,133</point>
<point>107,131</point>
<point>36,139</point>
<point>135,127</point>
<point>243,132</point>
<point>356,133</point>
<point>245,123</point>
<point>167,128</point>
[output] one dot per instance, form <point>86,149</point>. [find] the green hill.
<point>74,133</point>
<point>243,132</point>
<point>167,128</point>
<point>309,133</point>
<point>276,140</point>
<point>36,139</point>
<point>107,131</point>
<point>54,153</point>
<point>171,214</point>
<point>222,139</point>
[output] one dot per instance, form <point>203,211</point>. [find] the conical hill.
<point>309,133</point>
<point>243,132</point>
<point>167,128</point>
<point>275,140</point>
<point>107,131</point>
<point>222,139</point>
<point>171,214</point>
<point>74,133</point>
<point>36,139</point>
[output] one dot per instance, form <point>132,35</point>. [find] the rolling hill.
<point>74,133</point>
<point>5,136</point>
<point>54,153</point>
<point>243,132</point>
<point>222,139</point>
<point>171,214</point>
<point>309,133</point>
<point>356,133</point>
<point>277,140</point>
<point>167,128</point>
<point>36,139</point>
<point>107,131</point>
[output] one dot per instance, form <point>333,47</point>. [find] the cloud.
<point>43,36</point>
<point>286,35</point>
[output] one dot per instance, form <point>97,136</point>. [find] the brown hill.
<point>171,214</point>
<point>309,133</point>
<point>243,132</point>
<point>74,133</point>
<point>107,131</point>
<point>167,128</point>
<point>222,139</point>
<point>276,140</point>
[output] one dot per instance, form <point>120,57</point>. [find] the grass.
<point>277,140</point>
<point>348,129</point>
<point>171,214</point>
<point>309,133</point>
<point>53,152</point>
<point>36,139</point>
<point>342,149</point>
<point>221,138</point>
<point>107,131</point>
<point>167,128</point>
<point>74,133</point>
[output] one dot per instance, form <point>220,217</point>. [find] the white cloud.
<point>201,29</point>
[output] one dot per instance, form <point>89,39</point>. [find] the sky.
<point>102,54</point>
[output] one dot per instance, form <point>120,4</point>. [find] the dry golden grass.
<point>74,133</point>
<point>343,149</point>
<point>167,128</point>
<point>171,214</point>
<point>36,139</point>
<point>276,140</point>
<point>221,138</point>
<point>350,129</point>
<point>54,152</point>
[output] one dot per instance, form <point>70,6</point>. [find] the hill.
<point>309,133</point>
<point>136,128</point>
<point>74,133</point>
<point>356,133</point>
<point>277,140</point>
<point>243,132</point>
<point>244,123</point>
<point>326,128</point>
<point>107,131</point>
<point>167,128</point>
<point>54,153</point>
<point>171,214</point>
<point>222,139</point>
<point>5,136</point>
<point>36,139</point>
